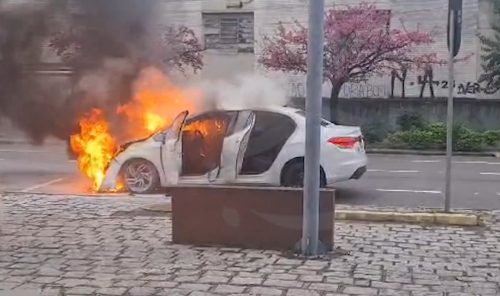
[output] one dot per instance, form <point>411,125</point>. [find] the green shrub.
<point>492,138</point>
<point>414,139</point>
<point>438,134</point>
<point>470,141</point>
<point>433,137</point>
<point>375,132</point>
<point>409,121</point>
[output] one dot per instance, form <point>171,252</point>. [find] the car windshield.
<point>324,122</point>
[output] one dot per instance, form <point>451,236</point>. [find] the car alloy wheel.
<point>140,176</point>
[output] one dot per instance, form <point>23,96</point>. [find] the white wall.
<point>218,65</point>
<point>226,66</point>
<point>227,5</point>
<point>423,15</point>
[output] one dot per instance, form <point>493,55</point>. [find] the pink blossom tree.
<point>358,44</point>
<point>182,49</point>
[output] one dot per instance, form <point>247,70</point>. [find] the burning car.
<point>264,146</point>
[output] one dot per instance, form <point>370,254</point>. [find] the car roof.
<point>276,109</point>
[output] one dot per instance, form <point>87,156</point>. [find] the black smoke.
<point>113,41</point>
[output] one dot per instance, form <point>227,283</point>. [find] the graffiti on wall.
<point>364,90</point>
<point>462,88</point>
<point>428,84</point>
<point>424,85</point>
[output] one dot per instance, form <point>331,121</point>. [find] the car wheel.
<point>293,175</point>
<point>140,176</point>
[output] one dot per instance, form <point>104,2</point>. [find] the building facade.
<point>232,32</point>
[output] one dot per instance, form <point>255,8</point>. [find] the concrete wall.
<point>474,113</point>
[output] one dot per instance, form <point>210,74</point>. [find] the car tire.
<point>140,176</point>
<point>293,175</point>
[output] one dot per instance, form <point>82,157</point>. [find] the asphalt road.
<point>418,181</point>
<point>392,180</point>
<point>43,169</point>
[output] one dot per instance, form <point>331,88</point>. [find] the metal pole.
<point>313,133</point>
<point>449,137</point>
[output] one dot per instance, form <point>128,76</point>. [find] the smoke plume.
<point>105,43</point>
<point>111,47</point>
<point>246,91</point>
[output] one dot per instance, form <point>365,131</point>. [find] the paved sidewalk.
<point>106,246</point>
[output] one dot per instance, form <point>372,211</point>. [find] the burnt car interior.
<point>269,135</point>
<point>202,142</point>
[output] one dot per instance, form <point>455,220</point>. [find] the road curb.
<point>430,152</point>
<point>455,219</point>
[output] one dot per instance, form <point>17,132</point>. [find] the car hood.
<point>126,145</point>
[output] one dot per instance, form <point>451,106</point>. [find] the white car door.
<point>171,151</point>
<point>235,146</point>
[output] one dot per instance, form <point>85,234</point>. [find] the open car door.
<point>171,152</point>
<point>235,146</point>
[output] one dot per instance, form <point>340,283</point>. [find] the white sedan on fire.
<point>264,146</point>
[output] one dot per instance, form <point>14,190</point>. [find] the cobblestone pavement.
<point>52,245</point>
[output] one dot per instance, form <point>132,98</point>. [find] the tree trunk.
<point>334,102</point>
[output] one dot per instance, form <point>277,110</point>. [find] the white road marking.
<point>489,174</point>
<point>457,162</point>
<point>1,159</point>
<point>477,162</point>
<point>498,193</point>
<point>392,171</point>
<point>410,191</point>
<point>42,185</point>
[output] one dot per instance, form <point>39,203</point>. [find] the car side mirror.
<point>160,137</point>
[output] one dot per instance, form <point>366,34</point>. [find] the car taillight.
<point>345,142</point>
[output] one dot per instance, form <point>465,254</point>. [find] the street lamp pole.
<point>310,235</point>
<point>449,137</point>
<point>454,40</point>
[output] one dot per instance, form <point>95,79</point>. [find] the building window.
<point>229,31</point>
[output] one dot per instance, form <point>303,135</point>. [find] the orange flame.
<point>155,104</point>
<point>94,146</point>
<point>213,128</point>
<point>154,122</point>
